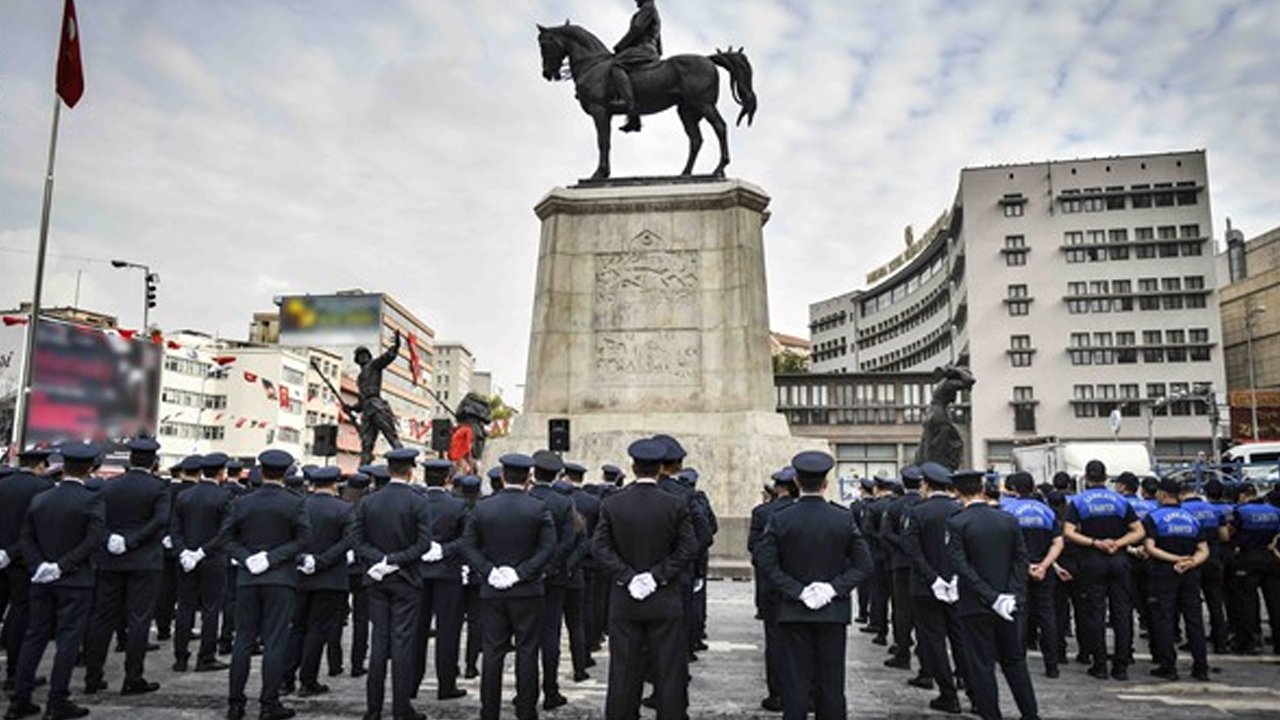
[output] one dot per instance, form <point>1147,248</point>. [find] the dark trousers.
<point>549,638</point>
<point>227,633</point>
<point>1042,614</point>
<point>393,612</point>
<point>202,589</point>
<point>902,620</point>
<point>4,606</point>
<point>575,605</point>
<point>316,614</point>
<point>688,616</point>
<point>16,622</point>
<point>772,651</point>
<point>474,635</point>
<point>864,598</point>
<point>510,622</point>
<point>1105,583</point>
<point>1211,584</point>
<point>936,623</point>
<point>60,614</point>
<point>1173,597</point>
<point>667,658</point>
<point>880,593</point>
<point>263,611</point>
<point>813,670</point>
<point>589,607</point>
<point>601,587</point>
<point>128,597</point>
<point>167,598</point>
<point>359,620</point>
<point>442,600</point>
<point>1257,570</point>
<point>989,639</point>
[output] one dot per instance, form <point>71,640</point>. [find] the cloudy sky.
<point>246,149</point>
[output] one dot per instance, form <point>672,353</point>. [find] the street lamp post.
<point>148,298</point>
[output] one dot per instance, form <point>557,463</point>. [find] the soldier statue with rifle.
<point>374,413</point>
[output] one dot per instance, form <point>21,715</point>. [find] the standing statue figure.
<point>640,47</point>
<point>466,444</point>
<point>375,414</point>
<point>941,441</point>
<point>637,81</point>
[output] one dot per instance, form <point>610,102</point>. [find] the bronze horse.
<point>689,82</point>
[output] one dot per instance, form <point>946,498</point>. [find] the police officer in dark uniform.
<point>64,527</point>
<point>468,488</point>
<point>236,484</point>
<point>933,584</point>
<point>784,485</point>
<point>1211,571</point>
<point>612,478</point>
<point>645,541</point>
<point>264,532</point>
<point>1103,524</point>
<point>322,581</point>
<point>546,468</point>
<point>442,594</point>
<point>1177,546</point>
<point>1253,526</point>
<point>509,541</point>
<point>193,528</point>
<point>579,602</point>
<point>182,477</point>
<point>990,558</point>
<point>353,491</point>
<point>814,554</point>
<point>668,480</point>
<point>129,565</point>
<point>899,567</point>
<point>1042,533</point>
<point>858,507</point>
<point>880,582</point>
<point>702,505</point>
<point>16,493</point>
<point>393,530</point>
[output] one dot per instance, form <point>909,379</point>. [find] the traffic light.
<point>153,279</point>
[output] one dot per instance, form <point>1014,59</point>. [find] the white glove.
<point>642,586</point>
<point>308,565</point>
<point>167,542</point>
<point>46,573</point>
<point>466,574</point>
<point>499,579</point>
<point>381,569</point>
<point>699,584</point>
<point>953,590</point>
<point>435,554</point>
<point>941,590</point>
<point>818,595</point>
<point>115,544</point>
<point>1004,606</point>
<point>256,563</point>
<point>190,559</point>
<point>351,557</point>
<point>4,559</point>
<point>513,578</point>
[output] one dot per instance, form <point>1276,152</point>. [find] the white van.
<point>1261,460</point>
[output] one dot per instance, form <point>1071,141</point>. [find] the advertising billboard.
<point>13,338</point>
<point>90,384</point>
<point>330,320</point>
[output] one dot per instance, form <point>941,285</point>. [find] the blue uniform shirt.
<point>1038,522</point>
<point>1101,513</point>
<point>1256,523</point>
<point>1174,529</point>
<point>1209,517</point>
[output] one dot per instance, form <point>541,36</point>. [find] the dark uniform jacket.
<point>697,519</point>
<point>891,529</point>
<point>873,516</point>
<point>989,555</point>
<point>811,541</point>
<point>65,525</point>
<point>449,514</point>
<point>561,509</point>
<point>394,522</point>
<point>510,528</point>
<point>271,519</point>
<point>766,600</point>
<point>175,487</point>
<point>16,493</point>
<point>137,507</point>
<point>924,539</point>
<point>643,529</point>
<point>197,517</point>
<point>333,533</point>
<point>588,506</point>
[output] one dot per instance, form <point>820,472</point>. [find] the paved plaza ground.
<point>728,683</point>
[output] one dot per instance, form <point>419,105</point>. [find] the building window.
<point>1013,210</point>
<point>1020,350</point>
<point>1115,198</point>
<point>1164,195</point>
<point>1084,405</point>
<point>1152,350</point>
<point>1156,391</point>
<point>1141,196</point>
<point>1024,409</point>
<point>1187,194</point>
<point>1071,201</point>
<point>1015,250</point>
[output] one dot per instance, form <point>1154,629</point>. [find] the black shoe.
<point>336,671</point>
<point>180,665</point>
<point>1165,673</point>
<point>65,710</point>
<point>359,672</point>
<point>312,689</point>
<point>288,687</point>
<point>92,686</point>
<point>898,662</point>
<point>554,701</point>
<point>276,712</point>
<point>1084,658</point>
<point>140,687</point>
<point>235,711</point>
<point>590,663</point>
<point>893,649</point>
<point>924,682</point>
<point>1200,675</point>
<point>861,619</point>
<point>470,673</point>
<point>870,630</point>
<point>1051,672</point>
<point>210,665</point>
<point>21,710</point>
<point>772,703</point>
<point>580,676</point>
<point>946,704</point>
<point>879,640</point>
<point>693,658</point>
<point>152,647</point>
<point>1120,671</point>
<point>451,694</point>
<point>1099,672</point>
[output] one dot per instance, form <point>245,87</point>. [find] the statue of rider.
<point>375,414</point>
<point>641,46</point>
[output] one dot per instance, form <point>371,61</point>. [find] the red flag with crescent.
<point>70,70</point>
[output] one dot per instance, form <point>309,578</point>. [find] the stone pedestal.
<point>651,315</point>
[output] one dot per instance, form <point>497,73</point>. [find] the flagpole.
<point>28,356</point>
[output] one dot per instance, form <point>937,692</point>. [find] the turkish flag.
<point>250,377</point>
<point>224,360</point>
<point>415,363</point>
<point>172,345</point>
<point>240,423</point>
<point>128,334</point>
<point>11,320</point>
<point>70,71</point>
<point>284,396</point>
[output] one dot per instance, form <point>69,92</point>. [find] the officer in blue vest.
<point>1042,534</point>
<point>1103,524</point>
<point>1176,544</point>
<point>1253,527</point>
<point>1211,572</point>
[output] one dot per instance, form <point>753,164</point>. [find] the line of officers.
<point>276,563</point>
<point>955,563</point>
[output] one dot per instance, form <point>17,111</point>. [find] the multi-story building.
<point>482,382</point>
<point>455,375</point>
<point>1251,333</point>
<point>1070,288</point>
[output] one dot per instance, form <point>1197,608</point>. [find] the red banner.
<point>1268,423</point>
<point>284,397</point>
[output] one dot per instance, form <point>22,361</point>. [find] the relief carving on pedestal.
<point>655,357</point>
<point>646,285</point>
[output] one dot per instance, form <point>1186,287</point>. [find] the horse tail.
<point>740,72</point>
